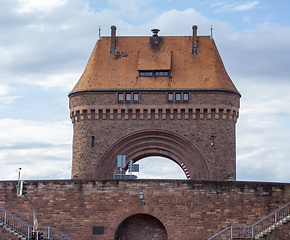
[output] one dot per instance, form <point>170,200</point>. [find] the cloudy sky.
<point>45,45</point>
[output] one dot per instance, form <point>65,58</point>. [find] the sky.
<point>45,46</point>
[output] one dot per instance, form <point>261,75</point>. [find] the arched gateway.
<point>146,143</point>
<point>155,96</point>
<point>141,226</point>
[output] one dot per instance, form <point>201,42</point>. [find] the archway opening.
<point>156,167</point>
<point>141,226</point>
<point>148,143</point>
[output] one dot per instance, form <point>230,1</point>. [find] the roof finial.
<point>211,36</point>
<point>99,32</point>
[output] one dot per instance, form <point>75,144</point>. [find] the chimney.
<point>113,39</point>
<point>194,39</point>
<point>155,32</point>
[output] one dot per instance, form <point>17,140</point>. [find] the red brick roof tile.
<point>119,71</point>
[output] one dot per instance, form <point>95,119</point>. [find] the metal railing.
<point>14,223</point>
<point>251,231</point>
<point>21,227</point>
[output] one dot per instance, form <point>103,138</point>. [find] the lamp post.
<point>141,196</point>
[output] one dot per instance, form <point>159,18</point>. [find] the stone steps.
<point>8,229</point>
<point>273,227</point>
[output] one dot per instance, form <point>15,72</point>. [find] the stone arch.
<point>145,143</point>
<point>141,226</point>
<point>152,211</point>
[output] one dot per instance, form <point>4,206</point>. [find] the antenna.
<point>99,32</point>
<point>211,35</point>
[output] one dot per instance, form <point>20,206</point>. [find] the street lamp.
<point>141,196</point>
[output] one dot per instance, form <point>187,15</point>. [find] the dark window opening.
<point>146,74</point>
<point>212,141</point>
<point>153,73</point>
<point>161,73</point>
<point>93,141</point>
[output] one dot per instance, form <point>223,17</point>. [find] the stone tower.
<point>155,96</point>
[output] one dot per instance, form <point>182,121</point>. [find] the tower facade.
<point>155,96</point>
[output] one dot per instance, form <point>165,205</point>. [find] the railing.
<point>25,229</point>
<point>235,232</point>
<point>14,223</point>
<point>53,234</point>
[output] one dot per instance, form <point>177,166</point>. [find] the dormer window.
<point>153,73</point>
<point>161,73</point>
<point>145,74</point>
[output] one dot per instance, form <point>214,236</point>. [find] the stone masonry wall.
<point>188,209</point>
<point>101,116</point>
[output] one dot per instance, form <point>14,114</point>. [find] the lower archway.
<point>141,226</point>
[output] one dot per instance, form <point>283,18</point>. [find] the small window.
<point>136,97</point>
<point>170,96</point>
<point>178,96</point>
<point>145,74</point>
<point>128,96</point>
<point>212,141</point>
<point>185,97</point>
<point>120,97</point>
<point>93,141</point>
<point>153,73</point>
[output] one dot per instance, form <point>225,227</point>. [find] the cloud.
<point>47,44</point>
<point>226,6</point>
<point>246,6</point>
<point>263,149</point>
<point>4,89</point>
<point>132,9</point>
<point>28,6</point>
<point>260,52</point>
<point>36,147</point>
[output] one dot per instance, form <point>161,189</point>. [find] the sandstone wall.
<point>188,209</point>
<point>205,115</point>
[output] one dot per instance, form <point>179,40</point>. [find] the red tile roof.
<point>188,71</point>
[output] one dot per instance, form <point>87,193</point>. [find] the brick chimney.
<point>113,39</point>
<point>194,39</point>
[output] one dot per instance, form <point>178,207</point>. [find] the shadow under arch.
<point>141,226</point>
<point>151,142</point>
